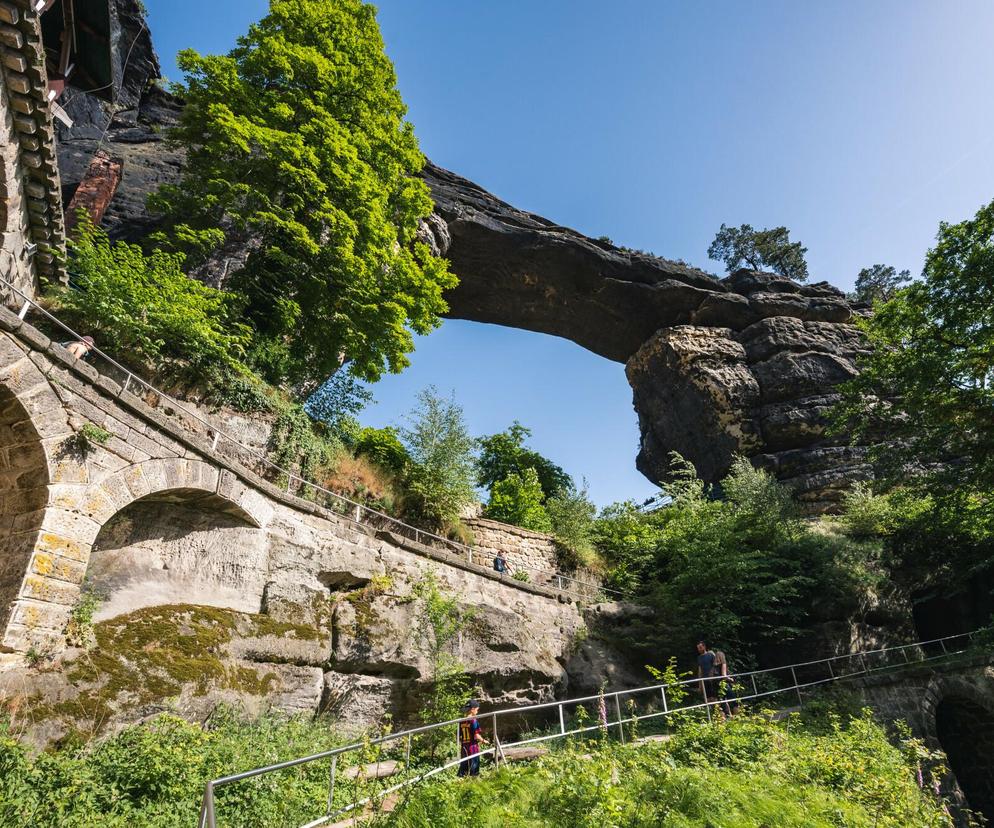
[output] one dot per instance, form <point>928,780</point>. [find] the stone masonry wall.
<point>527,551</point>
<point>100,486</point>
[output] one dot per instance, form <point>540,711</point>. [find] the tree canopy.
<point>505,453</point>
<point>297,145</point>
<point>926,388</point>
<point>879,283</point>
<point>761,250</point>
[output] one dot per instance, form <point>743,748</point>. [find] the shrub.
<point>517,499</point>
<point>145,308</point>
<point>571,515</point>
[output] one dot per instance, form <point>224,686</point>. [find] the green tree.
<point>571,514</point>
<point>143,308</point>
<point>626,538</point>
<point>383,446</point>
<point>297,146</point>
<point>441,469</point>
<point>925,392</point>
<point>760,250</point>
<point>337,402</point>
<point>879,283</point>
<point>517,499</point>
<point>504,453</point>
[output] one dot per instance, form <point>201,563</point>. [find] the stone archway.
<point>965,729</point>
<point>77,513</point>
<point>178,546</point>
<point>23,495</point>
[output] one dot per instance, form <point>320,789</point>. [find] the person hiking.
<point>500,562</point>
<point>81,347</point>
<point>470,739</point>
<point>706,671</point>
<point>725,684</point>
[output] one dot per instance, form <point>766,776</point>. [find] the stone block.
<point>19,83</point>
<point>30,335</point>
<point>70,524</point>
<point>134,478</point>
<point>9,13</point>
<point>50,590</point>
<point>65,547</point>
<point>39,615</point>
<point>58,567</point>
<point>9,321</point>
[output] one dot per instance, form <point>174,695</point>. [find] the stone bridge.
<point>951,707</point>
<point>99,484</point>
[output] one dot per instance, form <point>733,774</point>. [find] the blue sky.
<point>859,125</point>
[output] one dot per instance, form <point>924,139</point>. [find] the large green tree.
<point>505,453</point>
<point>764,249</point>
<point>925,393</point>
<point>297,144</point>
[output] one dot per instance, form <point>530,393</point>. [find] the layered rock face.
<point>743,365</point>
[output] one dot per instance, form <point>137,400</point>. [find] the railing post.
<point>358,513</point>
<point>797,686</point>
<point>331,783</point>
<point>493,736</point>
<point>469,553</point>
<point>665,706</point>
<point>127,382</point>
<point>862,661</point>
<point>831,671</point>
<point>621,726</point>
<point>562,720</point>
<point>23,312</point>
<point>942,641</point>
<point>210,819</point>
<point>407,755</point>
<point>755,688</point>
<point>289,482</point>
<point>217,436</point>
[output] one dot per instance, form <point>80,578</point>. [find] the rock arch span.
<point>746,364</point>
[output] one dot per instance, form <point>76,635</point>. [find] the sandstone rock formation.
<point>745,364</point>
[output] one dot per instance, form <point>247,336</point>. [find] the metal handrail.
<point>657,693</point>
<point>350,509</point>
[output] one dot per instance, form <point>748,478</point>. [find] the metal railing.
<point>617,710</point>
<point>306,489</point>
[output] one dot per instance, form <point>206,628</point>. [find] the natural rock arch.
<point>742,365</point>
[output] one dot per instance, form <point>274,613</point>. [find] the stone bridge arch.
<point>958,717</point>
<point>76,513</point>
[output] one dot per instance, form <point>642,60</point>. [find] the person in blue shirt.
<point>500,562</point>
<point>706,671</point>
<point>470,739</point>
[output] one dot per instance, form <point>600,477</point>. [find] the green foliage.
<point>145,308</point>
<point>89,437</point>
<point>440,472</point>
<point>744,571</point>
<point>745,773</point>
<point>439,621</point>
<point>521,575</point>
<point>879,283</point>
<point>571,514</point>
<point>505,453</point>
<point>760,250</point>
<point>517,499</point>
<point>337,402</point>
<point>383,446</point>
<point>296,139</point>
<point>626,539</point>
<point>926,386</point>
<point>153,775</point>
<point>295,443</point>
<point>79,628</point>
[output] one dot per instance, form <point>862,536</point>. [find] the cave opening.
<point>966,732</point>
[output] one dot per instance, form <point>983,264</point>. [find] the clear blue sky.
<point>859,125</point>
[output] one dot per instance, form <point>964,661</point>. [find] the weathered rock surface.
<point>741,365</point>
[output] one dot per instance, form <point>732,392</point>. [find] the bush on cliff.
<point>298,150</point>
